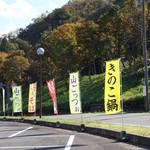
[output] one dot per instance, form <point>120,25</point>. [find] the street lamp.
<point>142,3</point>
<point>40,52</point>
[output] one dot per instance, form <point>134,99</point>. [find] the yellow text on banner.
<point>74,94</point>
<point>112,87</point>
<point>32,98</point>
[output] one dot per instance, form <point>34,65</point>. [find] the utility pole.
<point>147,107</point>
<point>146,84</point>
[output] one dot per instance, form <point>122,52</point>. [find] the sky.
<point>15,14</point>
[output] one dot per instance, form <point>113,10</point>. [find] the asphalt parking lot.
<point>21,136</point>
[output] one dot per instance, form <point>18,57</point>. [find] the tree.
<point>4,45</point>
<point>61,47</point>
<point>15,67</point>
<point>122,24</point>
<point>23,45</point>
<point>132,34</point>
<point>3,57</point>
<point>7,45</point>
<point>89,45</point>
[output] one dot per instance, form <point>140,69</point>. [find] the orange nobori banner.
<point>32,98</point>
<point>112,87</point>
<point>52,92</point>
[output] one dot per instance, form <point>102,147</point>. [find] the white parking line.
<point>32,147</point>
<point>20,132</point>
<point>70,141</point>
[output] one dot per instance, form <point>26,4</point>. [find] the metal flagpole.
<point>123,135</point>
<point>35,100</point>
<point>55,100</point>
<point>121,92</point>
<point>82,125</point>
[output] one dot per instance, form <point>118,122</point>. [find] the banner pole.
<point>82,124</point>
<point>121,92</point>
<point>122,115</point>
<point>56,109</point>
<point>35,101</point>
<point>81,107</point>
<point>56,106</point>
<point>123,135</point>
<point>81,118</point>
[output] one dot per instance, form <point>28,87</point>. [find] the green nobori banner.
<point>17,99</point>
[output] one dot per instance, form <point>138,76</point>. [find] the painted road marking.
<point>43,136</point>
<point>67,147</point>
<point>32,147</point>
<point>20,132</point>
<point>70,141</point>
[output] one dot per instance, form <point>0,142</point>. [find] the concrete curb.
<point>135,139</point>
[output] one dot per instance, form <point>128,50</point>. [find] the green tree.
<point>7,45</point>
<point>122,23</point>
<point>89,45</point>
<point>23,45</point>
<point>4,45</point>
<point>61,48</point>
<point>3,57</point>
<point>132,34</point>
<point>15,67</point>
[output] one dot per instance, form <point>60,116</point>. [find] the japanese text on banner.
<point>17,99</point>
<point>32,98</point>
<point>52,92</point>
<point>74,93</point>
<point>112,87</point>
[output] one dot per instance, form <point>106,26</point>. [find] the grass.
<point>137,130</point>
<point>143,131</point>
<point>92,94</point>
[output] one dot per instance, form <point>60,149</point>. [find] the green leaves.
<point>14,68</point>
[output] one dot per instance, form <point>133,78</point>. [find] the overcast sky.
<point>19,13</point>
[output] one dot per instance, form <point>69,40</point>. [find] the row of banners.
<point>112,92</point>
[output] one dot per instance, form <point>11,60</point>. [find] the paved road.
<point>21,136</point>
<point>134,119</point>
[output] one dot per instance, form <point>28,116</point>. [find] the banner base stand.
<point>34,121</point>
<point>123,136</point>
<point>22,119</point>
<point>82,128</point>
<point>57,124</point>
<point>4,118</point>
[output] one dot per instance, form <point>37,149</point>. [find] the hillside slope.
<point>92,94</point>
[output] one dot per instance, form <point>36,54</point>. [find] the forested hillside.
<point>80,36</point>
